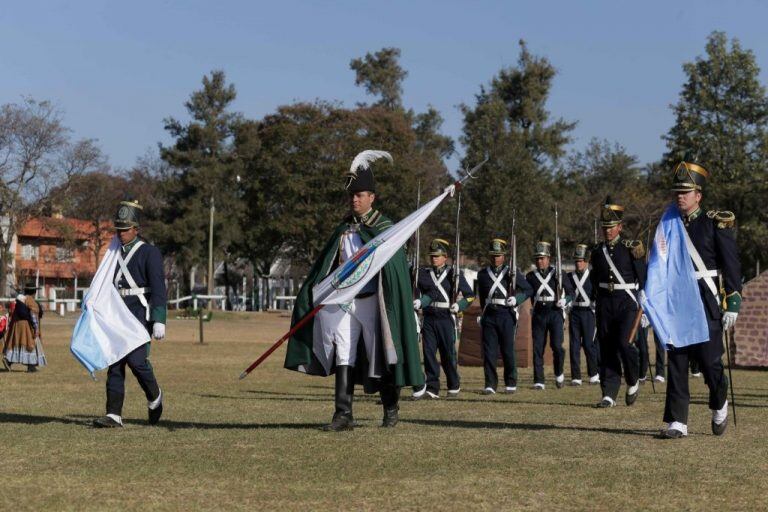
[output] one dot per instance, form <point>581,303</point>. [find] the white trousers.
<point>341,327</point>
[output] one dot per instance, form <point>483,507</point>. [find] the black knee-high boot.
<point>390,396</point>
<point>345,386</point>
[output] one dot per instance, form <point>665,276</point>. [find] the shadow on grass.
<point>172,425</point>
<point>28,419</point>
<point>528,426</point>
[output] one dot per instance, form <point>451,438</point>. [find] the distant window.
<point>64,254</point>
<point>29,251</point>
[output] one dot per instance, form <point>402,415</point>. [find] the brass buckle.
<point>610,287</point>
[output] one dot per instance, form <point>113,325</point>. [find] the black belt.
<point>364,295</point>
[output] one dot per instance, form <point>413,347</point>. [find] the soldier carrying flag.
<point>696,262</point>
<point>372,339</point>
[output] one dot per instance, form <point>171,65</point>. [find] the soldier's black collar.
<point>439,270</point>
<point>368,218</point>
<point>544,271</point>
<point>127,247</point>
<point>612,243</point>
<point>497,270</point>
<point>688,218</point>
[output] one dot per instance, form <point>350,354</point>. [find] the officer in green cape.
<point>373,339</point>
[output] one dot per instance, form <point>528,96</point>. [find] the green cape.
<point>396,288</point>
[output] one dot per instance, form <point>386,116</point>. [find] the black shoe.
<point>719,429</point>
<point>390,418</point>
<point>671,433</point>
<point>631,399</point>
<point>604,404</point>
<point>31,368</point>
<point>559,384</point>
<point>153,415</point>
<point>339,423</point>
<point>106,422</point>
<point>6,364</point>
<point>488,391</point>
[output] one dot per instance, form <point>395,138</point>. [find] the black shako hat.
<point>689,176</point>
<point>360,176</point>
<point>127,215</point>
<point>438,247</point>
<point>611,214</point>
<point>542,249</point>
<point>581,252</point>
<point>497,247</point>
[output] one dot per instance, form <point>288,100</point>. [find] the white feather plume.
<point>365,158</point>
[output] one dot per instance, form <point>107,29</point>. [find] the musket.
<point>512,287</point>
<point>647,253</point>
<point>347,269</point>
<point>559,262</point>
<point>456,285</point>
<point>415,266</point>
<point>727,338</point>
<point>639,315</point>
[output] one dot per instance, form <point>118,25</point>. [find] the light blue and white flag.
<point>106,331</point>
<point>672,298</point>
<point>342,285</point>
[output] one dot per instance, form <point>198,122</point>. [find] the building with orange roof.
<point>59,254</point>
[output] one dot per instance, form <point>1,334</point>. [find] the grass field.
<point>254,444</point>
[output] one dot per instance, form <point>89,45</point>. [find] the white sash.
<point>544,286</point>
<point>438,283</point>
<point>580,289</point>
<point>617,274</point>
<point>123,271</point>
<point>702,272</point>
<point>496,282</point>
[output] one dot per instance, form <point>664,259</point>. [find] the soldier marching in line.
<point>547,316</point>
<point>440,322</point>
<point>711,243</point>
<point>618,272</point>
<point>581,328</point>
<point>498,321</point>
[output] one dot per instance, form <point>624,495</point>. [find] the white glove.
<point>454,308</point>
<point>644,322</point>
<point>20,297</point>
<point>641,297</point>
<point>479,319</point>
<point>729,319</point>
<point>158,331</point>
<point>417,304</point>
<point>511,302</point>
<point>561,303</point>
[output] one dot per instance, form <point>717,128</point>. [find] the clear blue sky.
<point>118,68</point>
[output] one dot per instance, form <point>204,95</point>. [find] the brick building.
<point>751,333</point>
<point>58,254</point>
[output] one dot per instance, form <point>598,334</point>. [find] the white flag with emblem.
<point>343,284</point>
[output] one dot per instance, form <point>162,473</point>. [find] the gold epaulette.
<point>636,247</point>
<point>723,218</point>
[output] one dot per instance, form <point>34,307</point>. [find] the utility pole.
<point>210,251</point>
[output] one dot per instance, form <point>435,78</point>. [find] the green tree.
<point>511,125</point>
<point>721,120</point>
<point>599,170</point>
<point>381,75</point>
<point>201,170</point>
